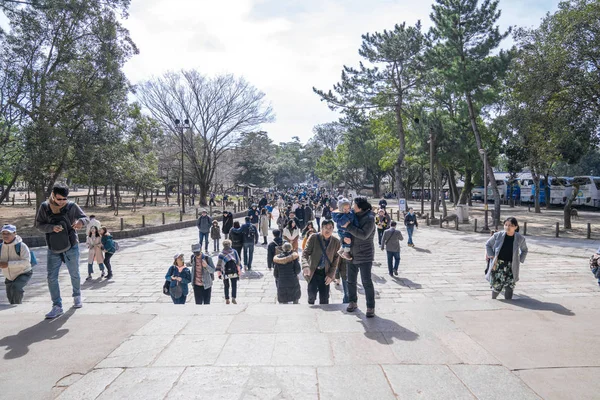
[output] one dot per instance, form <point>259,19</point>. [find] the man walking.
<point>319,262</point>
<point>391,240</point>
<point>60,219</point>
<point>15,264</point>
<point>204,223</point>
<point>411,222</point>
<point>363,254</point>
<point>250,238</point>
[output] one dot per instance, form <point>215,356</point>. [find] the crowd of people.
<point>323,238</point>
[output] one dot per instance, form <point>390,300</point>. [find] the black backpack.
<point>59,242</point>
<point>230,269</point>
<point>251,233</point>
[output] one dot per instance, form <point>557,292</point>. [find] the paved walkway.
<point>438,335</point>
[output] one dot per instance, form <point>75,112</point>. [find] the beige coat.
<point>311,256</point>
<point>94,244</point>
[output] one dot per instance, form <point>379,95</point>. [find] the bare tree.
<point>219,109</point>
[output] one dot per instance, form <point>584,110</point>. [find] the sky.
<point>282,47</point>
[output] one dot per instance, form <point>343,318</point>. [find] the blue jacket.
<point>253,214</point>
<point>186,278</point>
<point>108,243</point>
<point>249,233</point>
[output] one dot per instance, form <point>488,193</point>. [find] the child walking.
<point>215,235</point>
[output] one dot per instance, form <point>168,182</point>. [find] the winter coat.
<point>311,256</point>
<point>108,244</point>
<point>272,250</point>
<point>391,240</point>
<point>237,240</point>
<point>493,246</point>
<point>363,248</point>
<point>248,233</point>
<point>204,223</point>
<point>227,222</point>
<point>308,213</point>
<point>382,222</point>
<point>17,263</point>
<point>253,214</point>
<point>281,221</point>
<point>292,236</point>
<point>301,215</point>
<point>207,273</point>
<point>411,220</point>
<point>186,278</point>
<point>326,213</point>
<point>215,232</point>
<point>264,225</point>
<point>286,273</point>
<point>94,244</point>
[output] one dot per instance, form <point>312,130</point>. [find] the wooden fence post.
<point>589,230</point>
<point>143,221</point>
<point>122,225</point>
<point>475,225</point>
<point>180,216</point>
<point>163,218</point>
<point>456,224</point>
<point>525,228</point>
<point>557,228</point>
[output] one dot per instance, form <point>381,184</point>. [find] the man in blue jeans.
<point>204,223</point>
<point>411,222</point>
<point>60,219</point>
<point>391,240</point>
<point>250,238</point>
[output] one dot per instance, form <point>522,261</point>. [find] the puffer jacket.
<point>17,264</point>
<point>287,268</point>
<point>363,247</point>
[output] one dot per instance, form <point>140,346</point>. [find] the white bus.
<point>560,190</point>
<point>589,191</point>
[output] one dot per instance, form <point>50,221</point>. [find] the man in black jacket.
<point>272,250</point>
<point>250,235</point>
<point>227,223</point>
<point>363,254</point>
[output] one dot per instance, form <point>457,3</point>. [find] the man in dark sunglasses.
<point>60,219</point>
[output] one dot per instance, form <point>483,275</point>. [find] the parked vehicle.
<point>589,191</point>
<point>528,191</point>
<point>560,190</point>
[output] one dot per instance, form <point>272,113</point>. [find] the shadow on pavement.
<point>420,250</point>
<point>96,284</point>
<point>408,283</point>
<point>372,326</point>
<point>18,345</point>
<point>533,304</point>
<point>252,275</point>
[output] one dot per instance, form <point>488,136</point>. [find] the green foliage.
<point>255,159</point>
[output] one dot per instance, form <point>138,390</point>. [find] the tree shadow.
<point>534,304</point>
<point>49,329</point>
<point>420,250</point>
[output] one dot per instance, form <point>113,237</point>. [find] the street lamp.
<point>182,126</point>
<point>486,228</point>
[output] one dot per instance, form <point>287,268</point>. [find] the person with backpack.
<point>204,223</point>
<point>319,262</point>
<point>227,223</point>
<point>203,270</point>
<point>215,235</point>
<point>326,213</point>
<point>110,248</point>
<point>15,263</point>
<point>179,277</point>
<point>274,248</point>
<point>250,238</point>
<point>94,244</point>
<point>286,273</point>
<point>60,219</point>
<point>229,269</point>
<point>391,241</point>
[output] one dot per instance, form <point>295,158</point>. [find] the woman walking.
<point>291,234</point>
<point>108,244</point>
<point>507,250</point>
<point>308,230</point>
<point>264,225</point>
<point>287,268</point>
<point>94,244</point>
<point>229,269</point>
<point>203,270</point>
<point>318,211</point>
<point>179,276</point>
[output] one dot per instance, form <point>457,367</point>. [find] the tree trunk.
<point>465,194</point>
<point>87,198</point>
<point>567,209</point>
<point>6,193</point>
<point>95,195</point>
<point>547,190</point>
<point>490,169</point>
<point>400,161</point>
<point>453,188</point>
<point>422,190</point>
<point>441,197</point>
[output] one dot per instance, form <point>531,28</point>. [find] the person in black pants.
<point>229,255</point>
<point>203,270</point>
<point>363,251</point>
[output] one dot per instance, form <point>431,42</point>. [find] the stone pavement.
<point>437,334</point>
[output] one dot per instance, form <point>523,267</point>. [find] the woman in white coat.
<point>94,245</point>
<point>264,224</point>
<point>291,234</point>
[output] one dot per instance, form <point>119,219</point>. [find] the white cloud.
<point>284,48</point>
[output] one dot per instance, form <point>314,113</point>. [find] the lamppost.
<point>181,126</point>
<point>486,228</point>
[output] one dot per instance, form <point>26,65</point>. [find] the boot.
<point>351,307</point>
<point>226,301</point>
<point>370,312</point>
<point>233,301</point>
<point>508,293</point>
<point>495,294</point>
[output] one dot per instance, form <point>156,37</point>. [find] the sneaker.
<point>233,301</point>
<point>56,311</point>
<point>351,307</point>
<point>226,301</point>
<point>370,312</point>
<point>77,303</point>
<point>109,276</point>
<point>89,278</point>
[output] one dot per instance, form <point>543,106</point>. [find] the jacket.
<point>286,273</point>
<point>204,223</point>
<point>253,214</point>
<point>207,273</point>
<point>301,214</point>
<point>237,241</point>
<point>264,225</point>
<point>248,232</point>
<point>493,246</point>
<point>391,240</point>
<point>382,222</point>
<point>44,216</point>
<point>311,256</point>
<point>108,244</point>
<point>227,222</point>
<point>185,275</point>
<point>272,250</point>
<point>363,248</point>
<point>215,232</point>
<point>94,244</point>
<point>308,214</point>
<point>17,263</point>
<point>411,220</point>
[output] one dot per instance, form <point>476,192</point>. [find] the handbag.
<point>176,291</point>
<point>167,284</point>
